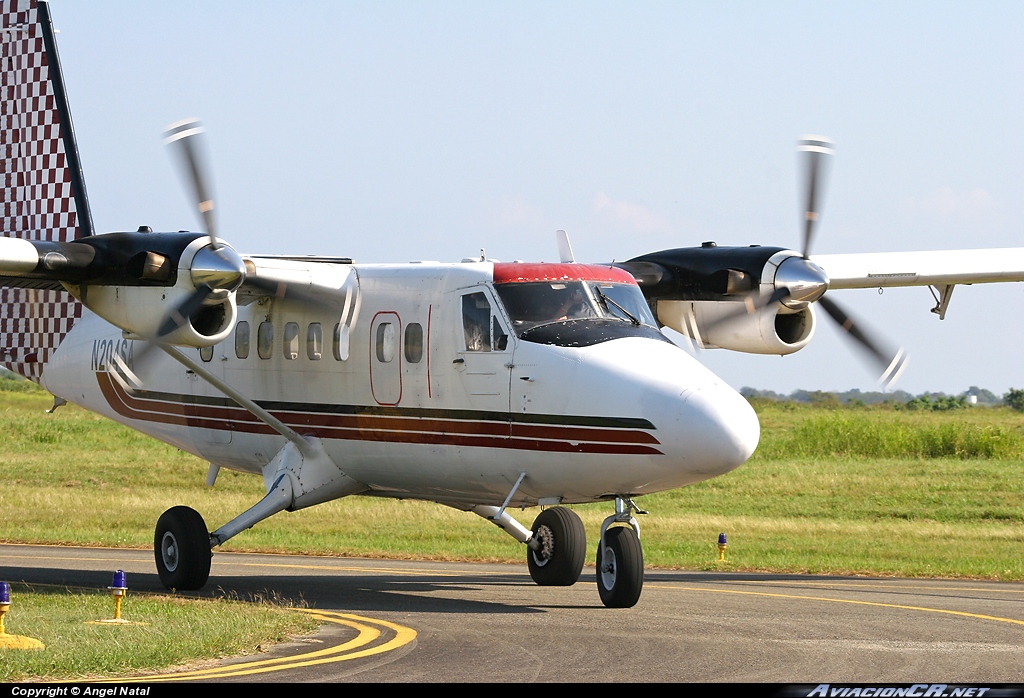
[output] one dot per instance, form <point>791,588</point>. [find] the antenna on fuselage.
<point>565,255</point>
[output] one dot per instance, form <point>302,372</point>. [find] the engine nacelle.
<point>751,299</point>
<point>775,329</point>
<point>141,311</point>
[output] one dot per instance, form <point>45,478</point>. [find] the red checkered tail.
<point>43,196</point>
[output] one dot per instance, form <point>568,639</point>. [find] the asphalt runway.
<point>425,621</point>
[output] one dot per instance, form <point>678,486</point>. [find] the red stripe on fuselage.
<point>482,433</point>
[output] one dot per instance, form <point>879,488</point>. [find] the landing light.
<point>13,642</point>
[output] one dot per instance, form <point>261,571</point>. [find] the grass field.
<point>853,490</point>
<point>171,631</point>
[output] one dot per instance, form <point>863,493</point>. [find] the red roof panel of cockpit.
<point>522,272</point>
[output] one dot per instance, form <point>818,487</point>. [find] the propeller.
<point>892,363</point>
<point>810,283</point>
<point>188,143</point>
<point>799,281</point>
<point>216,270</point>
<point>817,148</point>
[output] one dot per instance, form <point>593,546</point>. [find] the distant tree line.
<point>899,398</point>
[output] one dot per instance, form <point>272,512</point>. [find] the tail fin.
<point>43,192</point>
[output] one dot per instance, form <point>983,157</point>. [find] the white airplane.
<point>480,385</point>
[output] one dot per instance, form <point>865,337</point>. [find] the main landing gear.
<point>558,559</point>
<point>182,543</point>
<point>557,546</point>
<point>182,548</point>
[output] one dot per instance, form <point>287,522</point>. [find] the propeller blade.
<point>892,363</point>
<point>175,319</point>
<point>280,289</point>
<point>186,139</point>
<point>184,312</point>
<point>816,147</point>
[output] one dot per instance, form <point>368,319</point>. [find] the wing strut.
<point>270,420</point>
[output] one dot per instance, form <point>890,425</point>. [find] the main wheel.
<point>563,547</point>
<point>182,548</point>
<point>620,568</point>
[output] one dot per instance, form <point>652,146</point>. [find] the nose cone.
<point>715,429</point>
<point>703,427</point>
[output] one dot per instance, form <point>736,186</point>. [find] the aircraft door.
<point>484,352</point>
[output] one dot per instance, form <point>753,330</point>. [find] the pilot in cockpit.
<point>574,305</point>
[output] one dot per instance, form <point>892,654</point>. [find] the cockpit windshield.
<point>534,304</point>
<point>537,303</point>
<point>573,305</point>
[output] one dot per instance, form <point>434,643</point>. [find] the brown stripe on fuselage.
<point>360,427</point>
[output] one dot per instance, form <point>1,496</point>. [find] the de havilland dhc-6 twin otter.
<point>479,385</point>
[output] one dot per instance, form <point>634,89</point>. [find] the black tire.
<point>620,568</point>
<point>182,548</point>
<point>563,548</point>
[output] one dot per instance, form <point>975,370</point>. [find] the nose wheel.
<point>558,559</point>
<point>620,568</point>
<point>620,557</point>
<point>182,548</point>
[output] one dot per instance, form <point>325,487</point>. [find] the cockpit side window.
<point>476,321</point>
<point>480,323</point>
<point>500,337</point>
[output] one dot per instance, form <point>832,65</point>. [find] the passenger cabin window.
<point>206,354</point>
<point>340,342</point>
<point>385,342</point>
<point>291,341</point>
<point>414,343</point>
<point>314,342</point>
<point>242,340</point>
<point>265,340</point>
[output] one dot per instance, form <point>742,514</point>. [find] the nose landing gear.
<point>620,557</point>
<point>557,546</point>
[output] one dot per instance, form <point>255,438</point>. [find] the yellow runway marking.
<point>368,630</point>
<point>850,601</point>
<point>868,584</point>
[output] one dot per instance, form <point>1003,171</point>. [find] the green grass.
<point>855,490</point>
<point>799,431</point>
<point>178,631</point>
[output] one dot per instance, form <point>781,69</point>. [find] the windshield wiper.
<point>600,294</point>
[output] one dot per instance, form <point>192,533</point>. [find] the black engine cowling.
<point>709,293</point>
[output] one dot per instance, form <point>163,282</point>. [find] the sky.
<point>401,131</point>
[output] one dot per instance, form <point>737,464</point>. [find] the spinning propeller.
<point>777,322</point>
<point>217,270</point>
<point>890,362</point>
<point>798,280</point>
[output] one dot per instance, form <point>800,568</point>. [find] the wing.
<point>933,268</point>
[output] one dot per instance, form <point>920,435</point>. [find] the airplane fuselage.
<point>419,385</point>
